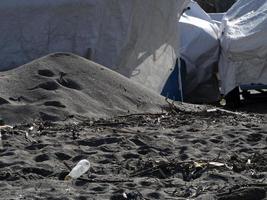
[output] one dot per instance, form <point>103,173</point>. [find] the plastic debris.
<point>199,164</point>
<point>134,195</point>
<point>223,102</point>
<point>124,195</point>
<point>212,110</point>
<point>81,168</point>
<point>6,126</point>
<point>216,164</point>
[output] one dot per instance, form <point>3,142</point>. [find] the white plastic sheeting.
<point>217,17</point>
<point>134,37</point>
<point>200,50</point>
<point>244,45</point>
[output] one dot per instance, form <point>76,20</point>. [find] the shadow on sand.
<point>256,106</point>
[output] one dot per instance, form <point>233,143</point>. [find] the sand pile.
<point>61,86</point>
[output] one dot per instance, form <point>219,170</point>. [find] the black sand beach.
<point>61,108</point>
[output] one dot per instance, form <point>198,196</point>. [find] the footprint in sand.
<point>39,171</point>
<point>62,156</point>
<point>93,142</point>
<point>254,137</point>
<point>54,104</point>
<point>49,85</point>
<point>130,156</point>
<point>41,158</point>
<point>46,73</point>
<point>36,146</point>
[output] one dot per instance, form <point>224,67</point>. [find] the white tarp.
<point>244,45</point>
<point>200,50</point>
<point>134,37</point>
<point>217,17</point>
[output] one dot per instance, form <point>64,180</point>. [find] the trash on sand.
<point>132,195</point>
<point>216,164</point>
<point>223,102</point>
<point>6,126</point>
<point>212,110</point>
<point>124,195</point>
<point>81,168</point>
<point>248,162</point>
<point>199,164</point>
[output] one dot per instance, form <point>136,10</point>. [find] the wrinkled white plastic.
<point>244,45</point>
<point>81,168</point>
<point>199,47</point>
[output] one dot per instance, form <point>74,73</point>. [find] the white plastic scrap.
<point>212,110</point>
<point>81,168</point>
<point>216,164</point>
<point>124,195</point>
<point>6,126</point>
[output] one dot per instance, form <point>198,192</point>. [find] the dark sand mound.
<point>60,86</point>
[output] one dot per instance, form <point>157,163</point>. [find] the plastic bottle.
<point>81,168</point>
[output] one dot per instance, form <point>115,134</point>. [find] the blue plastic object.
<point>173,88</point>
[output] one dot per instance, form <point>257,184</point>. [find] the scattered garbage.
<point>81,168</point>
<point>216,164</point>
<point>6,126</point>
<point>212,110</point>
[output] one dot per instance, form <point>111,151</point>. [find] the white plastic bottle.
<point>81,168</point>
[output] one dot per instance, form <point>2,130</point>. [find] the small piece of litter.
<point>81,168</point>
<point>216,164</point>
<point>212,110</point>
<point>6,126</point>
<point>124,195</point>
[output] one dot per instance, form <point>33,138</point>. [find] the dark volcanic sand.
<point>146,156</point>
<point>153,156</point>
<point>60,86</point>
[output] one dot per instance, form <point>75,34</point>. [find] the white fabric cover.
<point>217,17</point>
<point>200,50</point>
<point>134,37</point>
<point>244,45</point>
